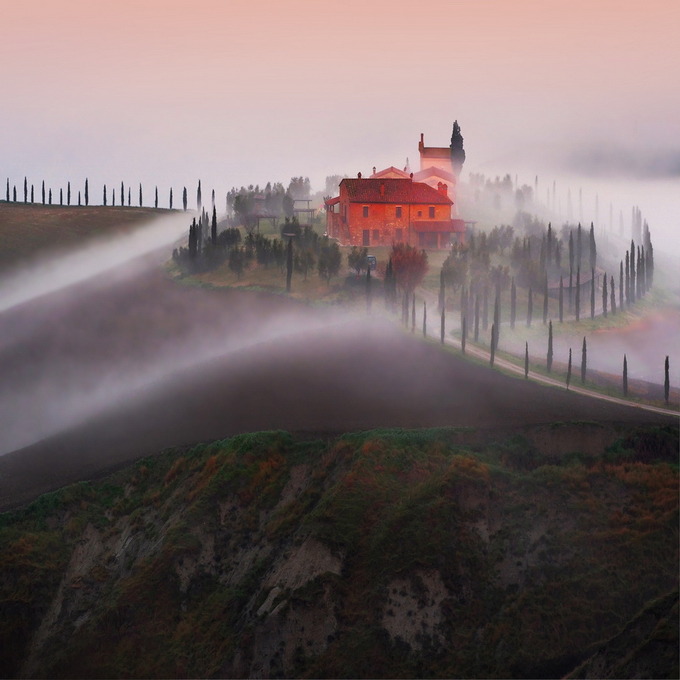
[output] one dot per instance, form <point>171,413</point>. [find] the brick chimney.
<point>358,175</point>
<point>443,189</point>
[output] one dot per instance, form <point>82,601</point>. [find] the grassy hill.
<point>389,553</point>
<point>27,229</point>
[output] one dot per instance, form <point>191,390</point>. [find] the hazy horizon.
<point>166,93</point>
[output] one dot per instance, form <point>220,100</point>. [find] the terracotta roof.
<point>439,226</point>
<point>332,201</point>
<point>433,172</point>
<point>402,191</point>
<point>390,172</point>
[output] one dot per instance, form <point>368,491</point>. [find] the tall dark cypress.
<point>604,296</point>
<point>621,288</point>
<point>545,300</point>
<point>571,269</point>
<point>50,196</point>
<point>122,194</point>
<point>561,302</point>
<point>632,272</point>
<point>549,361</point>
<point>31,193</point>
<point>613,297</point>
<point>170,201</point>
<point>578,293</point>
<point>530,307</point>
<point>155,200</point>
<point>625,376</point>
<point>579,251</point>
<point>593,247</point>
<point>104,196</point>
<point>7,191</point>
<point>569,369</point>
<point>129,197</point>
<point>213,229</point>
<point>184,198</point>
<point>43,191</point>
<point>584,359</point>
<point>140,194</point>
<point>592,293</point>
<point>25,190</point>
<point>513,303</point>
<point>199,202</point>
<point>87,192</point>
<point>526,359</point>
<point>68,193</point>
<point>61,196</point>
<point>666,382</point>
<point>443,328</point>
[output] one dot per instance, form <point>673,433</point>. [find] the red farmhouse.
<point>383,211</point>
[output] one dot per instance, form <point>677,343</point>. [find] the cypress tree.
<point>25,190</point>
<point>155,200</point>
<point>289,258</point>
<point>612,302</point>
<point>632,273</point>
<point>413,313</point>
<point>549,244</point>
<point>592,294</point>
<point>170,202</point>
<point>441,289</point>
<point>569,369</point>
<point>369,297</point>
<point>526,359</point>
<point>545,300</point>
<point>61,196</point>
<point>584,359</point>
<point>213,198</point>
<point>666,382</point>
<point>104,199</point>
<point>140,194</point>
<point>213,229</point>
<point>68,193</point>
<point>578,293</point>
<point>113,197</point>
<point>625,376</point>
<point>87,192</point>
<point>621,288</point>
<point>485,307</point>
<point>513,303</point>
<point>497,313</point>
<point>571,268</point>
<point>530,310</point>
<point>129,198</point>
<point>7,191</point>
<point>604,296</point>
<point>593,247</point>
<point>50,196</point>
<point>184,198</point>
<point>79,202</point>
<point>443,329</point>
<point>14,193</point>
<point>199,202</point>
<point>122,194</point>
<point>424,319</point>
<point>31,193</point>
<point>43,192</point>
<point>579,251</point>
<point>561,302</point>
<point>550,347</point>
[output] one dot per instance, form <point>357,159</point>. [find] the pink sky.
<point>239,92</point>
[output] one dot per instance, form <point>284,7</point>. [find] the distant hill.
<point>28,229</point>
<point>390,553</point>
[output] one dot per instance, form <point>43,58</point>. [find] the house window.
<point>365,211</point>
<point>398,215</point>
<point>376,236</point>
<point>431,212</point>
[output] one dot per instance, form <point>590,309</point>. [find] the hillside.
<point>391,553</point>
<point>28,229</point>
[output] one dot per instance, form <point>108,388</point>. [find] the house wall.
<point>382,219</point>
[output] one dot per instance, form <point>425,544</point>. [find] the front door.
<point>367,238</point>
